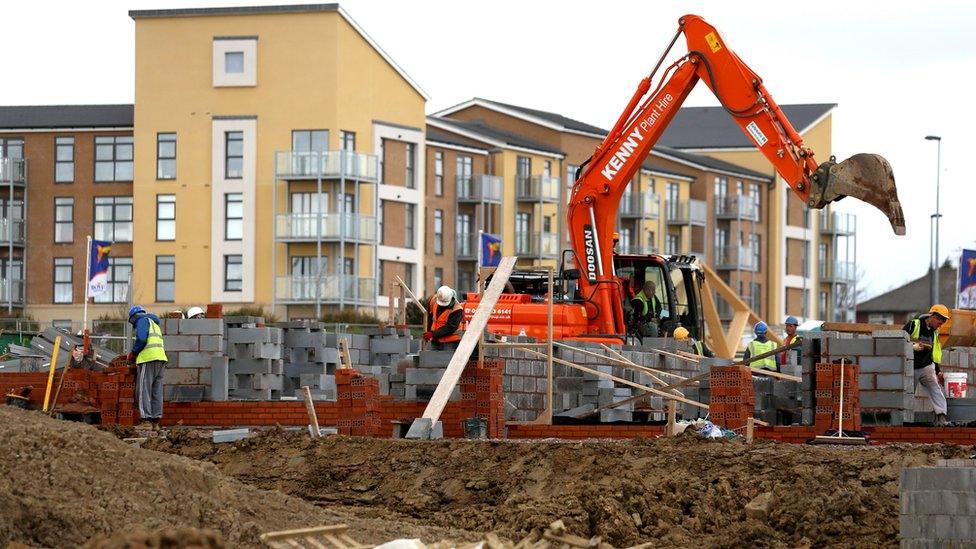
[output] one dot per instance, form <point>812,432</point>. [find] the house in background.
<point>901,304</point>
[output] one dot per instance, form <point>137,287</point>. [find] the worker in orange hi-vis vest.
<point>444,321</point>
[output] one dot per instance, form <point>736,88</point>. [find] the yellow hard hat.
<point>941,310</point>
<point>616,235</point>
<point>681,332</point>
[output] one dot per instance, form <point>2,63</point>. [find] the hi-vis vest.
<point>936,344</point>
<point>154,345</point>
<point>440,314</point>
<point>650,305</point>
<point>757,348</point>
<point>699,350</point>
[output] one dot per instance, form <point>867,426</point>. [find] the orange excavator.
<point>588,300</point>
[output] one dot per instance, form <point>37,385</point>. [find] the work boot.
<point>144,426</point>
<point>155,425</point>
<point>941,420</point>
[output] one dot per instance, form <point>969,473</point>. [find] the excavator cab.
<point>677,280</point>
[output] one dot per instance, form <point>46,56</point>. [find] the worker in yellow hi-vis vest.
<point>924,333</point>
<point>759,346</point>
<point>150,357</point>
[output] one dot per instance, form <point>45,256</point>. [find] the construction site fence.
<point>111,334</point>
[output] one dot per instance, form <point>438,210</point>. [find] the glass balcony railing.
<point>537,245</point>
<point>537,188</point>
<point>466,246</point>
<point>12,230</point>
<point>641,206</point>
<point>327,289</point>
<point>479,188</point>
<point>11,291</point>
<point>736,207</point>
<point>840,271</point>
<point>330,226</point>
<point>326,164</point>
<point>687,212</point>
<point>735,258</point>
<point>12,170</point>
<point>837,223</point>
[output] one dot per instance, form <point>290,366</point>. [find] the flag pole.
<point>87,281</point>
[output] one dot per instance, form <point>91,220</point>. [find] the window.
<point>806,303</point>
<point>234,216</point>
<point>408,274</point>
<point>64,224</point>
<point>348,141</point>
<point>234,62</point>
<point>721,191</point>
<point>439,232</point>
<point>113,158</point>
<point>119,269</point>
<point>754,195</point>
<point>547,224</point>
<point>303,141</point>
<point>233,273</point>
<point>381,274</point>
<point>64,161</point>
<point>165,278</point>
<point>408,237</point>
<point>62,279</point>
<point>672,201</point>
<point>165,217</point>
<point>379,221</point>
<point>822,257</point>
<point>348,266</point>
<point>523,167</point>
<point>673,244</point>
<point>523,232</point>
<point>438,173</point>
<point>463,245</point>
<point>547,168</point>
<point>754,243</point>
<point>113,218</point>
<point>165,156</point>
<point>438,277</point>
<point>233,155</point>
<point>755,296</point>
<point>465,281</point>
<point>12,148</point>
<point>824,313</point>
<point>881,318</point>
<point>409,162</point>
<point>465,186</point>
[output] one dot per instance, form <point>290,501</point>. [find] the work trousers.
<point>149,388</point>
<point>927,379</point>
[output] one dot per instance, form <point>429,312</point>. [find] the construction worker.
<point>790,337</point>
<point>646,309</point>
<point>444,320</point>
<point>761,345</point>
<point>194,312</point>
<point>150,357</point>
<point>924,333</point>
<point>681,334</point>
<point>81,360</point>
<point>616,239</point>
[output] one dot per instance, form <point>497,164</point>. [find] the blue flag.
<point>491,250</point>
<point>967,280</point>
<point>98,270</point>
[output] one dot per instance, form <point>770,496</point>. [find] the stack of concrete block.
<point>255,365</point>
<point>309,360</point>
<point>938,505</point>
<point>192,345</point>
<point>389,345</point>
<point>416,377</point>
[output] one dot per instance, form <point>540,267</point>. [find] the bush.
<point>349,316</point>
<point>415,315</point>
<point>269,318</point>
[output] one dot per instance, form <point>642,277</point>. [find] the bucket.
<point>955,384</point>
<point>475,427</point>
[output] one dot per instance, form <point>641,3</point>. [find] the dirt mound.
<point>677,492</point>
<point>168,538</point>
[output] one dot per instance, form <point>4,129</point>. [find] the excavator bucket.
<point>866,177</point>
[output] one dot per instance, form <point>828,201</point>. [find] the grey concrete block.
<point>892,382</point>
<point>252,335</point>
<point>213,343</point>
<point>181,376</point>
<point>266,350</point>
<point>436,359</point>
<point>171,326</point>
<point>183,393</point>
<point>865,381</point>
<point>219,375</point>
<point>861,346</point>
<point>390,345</point>
<point>892,347</point>
<point>254,366</point>
<point>194,359</point>
<point>201,326</point>
<point>181,343</point>
<point>882,399</point>
<point>882,365</point>
<point>423,376</point>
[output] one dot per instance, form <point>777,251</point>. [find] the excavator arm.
<point>592,210</point>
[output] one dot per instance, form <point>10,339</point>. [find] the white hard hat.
<point>444,296</point>
<point>194,311</point>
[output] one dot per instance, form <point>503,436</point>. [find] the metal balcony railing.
<point>466,246</point>
<point>537,188</point>
<point>687,212</point>
<point>479,188</point>
<point>326,164</point>
<point>11,290</point>
<point>837,223</point>
<point>641,206</point>
<point>736,207</point>
<point>334,226</point>
<point>840,271</point>
<point>12,230</point>
<point>537,245</point>
<point>12,170</point>
<point>328,289</point>
<point>735,258</point>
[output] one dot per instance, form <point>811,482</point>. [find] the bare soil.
<point>682,492</point>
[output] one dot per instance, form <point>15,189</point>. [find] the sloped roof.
<point>550,119</point>
<point>914,296</point>
<point>440,136</point>
<point>712,163</point>
<point>713,128</point>
<point>65,116</point>
<point>480,128</point>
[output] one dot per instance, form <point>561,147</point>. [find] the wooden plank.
<point>299,532</point>
<point>423,306</point>
<point>750,428</point>
<point>855,327</point>
<point>345,361</point>
<point>613,351</point>
<point>470,339</point>
<point>693,358</point>
<point>310,408</point>
<point>672,417</point>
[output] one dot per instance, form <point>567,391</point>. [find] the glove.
<point>131,357</point>
<point>428,336</point>
<point>917,346</point>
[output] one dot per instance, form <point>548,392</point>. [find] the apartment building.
<point>285,149</point>
<point>65,173</point>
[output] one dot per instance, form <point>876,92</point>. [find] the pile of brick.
<point>191,347</point>
<point>828,394</point>
<point>359,404</point>
<point>481,390</point>
<point>255,368</point>
<point>732,396</point>
<point>116,392</point>
<point>309,360</point>
<point>938,504</point>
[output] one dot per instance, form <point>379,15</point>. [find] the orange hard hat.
<point>941,310</point>
<point>616,235</point>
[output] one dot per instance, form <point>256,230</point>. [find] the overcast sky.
<point>897,70</point>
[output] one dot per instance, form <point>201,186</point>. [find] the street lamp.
<point>938,169</point>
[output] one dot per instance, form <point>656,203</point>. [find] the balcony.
<point>736,207</point>
<point>537,245</point>
<point>13,170</point>
<point>326,164</point>
<point>12,231</point>
<point>537,188</point>
<point>638,249</point>
<point>12,291</point>
<point>839,224</point>
<point>687,212</point>
<point>330,289</point>
<point>843,272</point>
<point>640,206</point>
<point>466,247</point>
<point>479,188</point>
<point>735,258</point>
<point>304,227</point>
